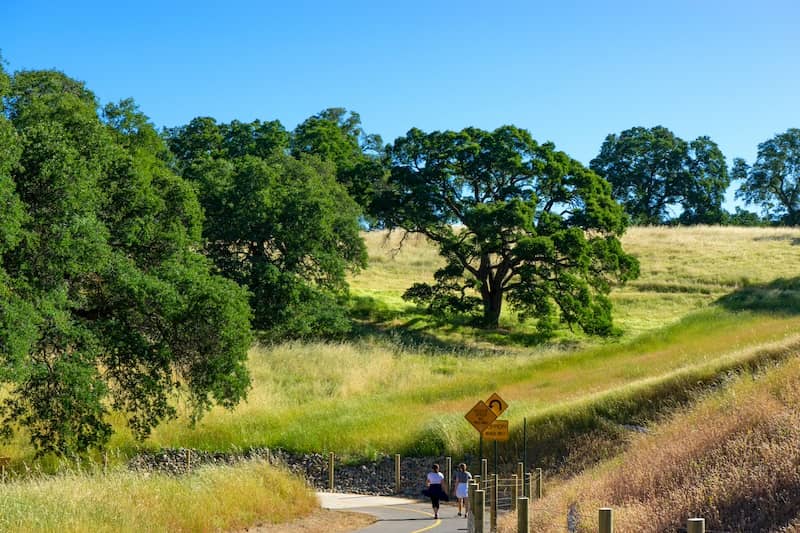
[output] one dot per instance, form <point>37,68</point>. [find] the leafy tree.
<point>773,182</point>
<point>652,170</point>
<point>704,191</point>
<point>513,219</point>
<point>105,304</point>
<point>336,136</point>
<point>203,137</point>
<point>281,226</point>
<point>743,217</point>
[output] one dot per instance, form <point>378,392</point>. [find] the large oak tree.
<point>337,136</point>
<point>280,225</point>
<point>652,171</point>
<point>105,302</point>
<point>514,220</point>
<point>773,182</point>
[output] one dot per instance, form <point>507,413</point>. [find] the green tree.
<point>105,304</point>
<point>336,136</point>
<point>652,171</point>
<point>773,182</point>
<point>281,226</point>
<point>512,218</point>
<point>708,179</point>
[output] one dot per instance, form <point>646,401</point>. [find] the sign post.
<point>483,417</point>
<point>498,431</point>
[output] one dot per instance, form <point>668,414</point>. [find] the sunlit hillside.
<point>682,269</point>
<point>733,460</point>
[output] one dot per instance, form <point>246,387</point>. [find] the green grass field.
<point>711,304</point>
<point>405,384</point>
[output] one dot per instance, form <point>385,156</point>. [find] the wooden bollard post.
<point>493,493</point>
<point>448,461</point>
<point>606,520</point>
<point>523,507</point>
<point>397,473</point>
<point>330,472</point>
<point>484,471</point>
<point>696,525</point>
<point>514,492</point>
<point>480,503</point>
<point>528,484</point>
<point>188,460</point>
<point>539,488</point>
<point>471,488</point>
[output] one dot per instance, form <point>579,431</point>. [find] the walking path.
<point>397,515</point>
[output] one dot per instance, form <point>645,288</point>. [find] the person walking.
<point>462,478</point>
<point>434,488</point>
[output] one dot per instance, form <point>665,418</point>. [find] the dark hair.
<point>435,467</point>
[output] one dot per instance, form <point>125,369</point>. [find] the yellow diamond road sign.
<point>497,431</point>
<point>496,404</point>
<point>480,416</point>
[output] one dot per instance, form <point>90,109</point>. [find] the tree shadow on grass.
<point>779,296</point>
<point>416,328</point>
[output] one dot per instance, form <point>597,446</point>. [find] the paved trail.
<point>397,515</point>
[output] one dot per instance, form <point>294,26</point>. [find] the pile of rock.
<point>374,477</point>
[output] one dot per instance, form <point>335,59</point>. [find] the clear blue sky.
<point>570,72</point>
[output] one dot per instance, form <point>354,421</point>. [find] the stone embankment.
<point>373,478</point>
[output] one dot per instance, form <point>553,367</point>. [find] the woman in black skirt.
<point>434,484</point>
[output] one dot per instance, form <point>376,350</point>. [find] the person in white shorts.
<point>462,478</point>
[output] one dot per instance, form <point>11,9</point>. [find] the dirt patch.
<point>320,521</point>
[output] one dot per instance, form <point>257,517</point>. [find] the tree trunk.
<point>492,305</point>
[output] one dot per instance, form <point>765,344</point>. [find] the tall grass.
<point>687,268</point>
<point>211,499</point>
<point>733,460</point>
<point>364,399</point>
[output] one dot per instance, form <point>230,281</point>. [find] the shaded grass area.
<point>778,296</point>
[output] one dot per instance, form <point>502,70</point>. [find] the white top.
<point>435,477</point>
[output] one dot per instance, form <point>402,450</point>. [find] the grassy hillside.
<point>733,460</point>
<point>682,269</point>
<point>405,386</point>
<point>712,304</point>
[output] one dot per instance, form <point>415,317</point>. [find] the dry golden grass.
<point>715,258</point>
<point>687,268</point>
<point>734,460</point>
<point>211,499</point>
<point>320,521</point>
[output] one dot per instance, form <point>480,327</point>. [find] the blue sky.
<point>570,72</point>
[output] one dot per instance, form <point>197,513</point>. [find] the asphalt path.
<point>398,515</point>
